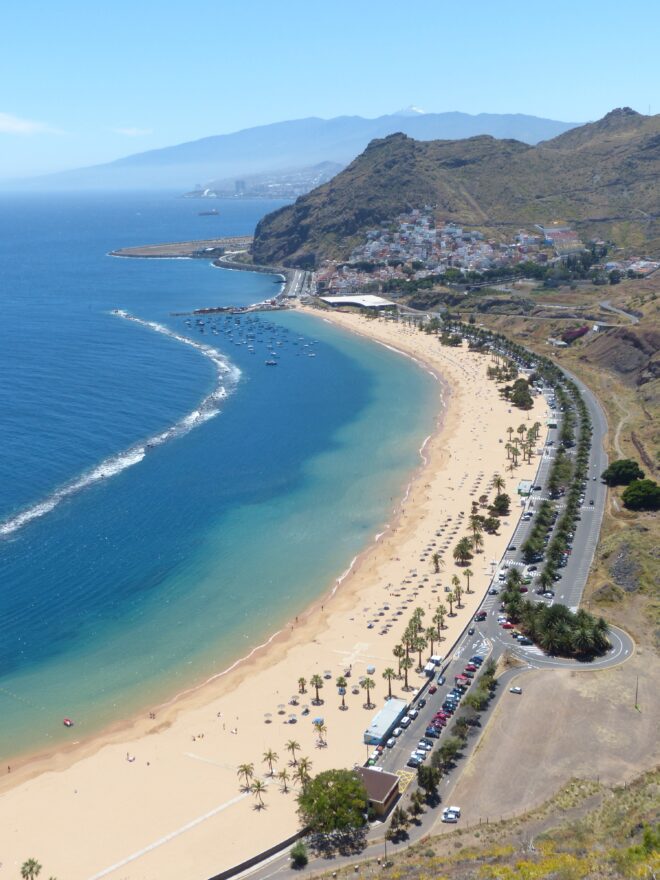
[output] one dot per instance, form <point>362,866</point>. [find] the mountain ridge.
<point>603,176</point>
<point>291,143</point>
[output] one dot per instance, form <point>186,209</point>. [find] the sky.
<point>84,82</point>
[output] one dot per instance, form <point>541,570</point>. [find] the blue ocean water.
<point>152,576</point>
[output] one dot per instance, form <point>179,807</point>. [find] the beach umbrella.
<point>371,670</point>
<point>268,717</point>
<point>293,719</point>
<point>317,721</point>
<point>281,708</point>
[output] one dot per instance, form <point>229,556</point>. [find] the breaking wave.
<point>227,379</point>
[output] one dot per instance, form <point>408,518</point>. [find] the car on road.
<point>413,762</point>
<point>432,731</point>
<point>480,615</point>
<point>525,640</point>
<point>441,680</point>
<point>432,689</point>
<point>421,703</point>
<point>507,625</point>
<point>471,631</point>
<point>390,742</point>
<point>413,713</point>
<point>424,746</point>
<point>471,667</point>
<point>397,731</point>
<point>428,740</point>
<point>515,690</point>
<point>452,809</point>
<point>591,503</point>
<point>450,816</point>
<point>512,549</point>
<point>478,659</point>
<point>493,591</point>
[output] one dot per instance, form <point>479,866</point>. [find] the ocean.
<point>167,500</point>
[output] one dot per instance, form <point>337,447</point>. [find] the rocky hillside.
<point>603,177</point>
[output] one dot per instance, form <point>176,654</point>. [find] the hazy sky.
<point>85,82</point>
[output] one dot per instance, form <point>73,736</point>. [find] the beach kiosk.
<point>385,721</point>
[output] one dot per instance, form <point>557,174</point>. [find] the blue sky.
<point>86,82</point>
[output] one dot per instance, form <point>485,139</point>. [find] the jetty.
<point>208,248</point>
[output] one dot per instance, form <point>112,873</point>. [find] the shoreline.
<point>313,639</point>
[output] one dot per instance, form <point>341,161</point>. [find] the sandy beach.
<point>160,797</point>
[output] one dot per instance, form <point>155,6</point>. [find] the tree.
<point>438,562</point>
<point>416,807</point>
<point>399,652</point>
<point>400,821</point>
<point>302,682</point>
<point>334,801</point>
<point>501,505</point>
<point>622,472</point>
<point>406,664</point>
<point>428,778</point>
<point>491,525</point>
<point>258,788</point>
<point>463,551</point>
<point>317,683</point>
<point>445,756</point>
<point>642,495</point>
<point>388,675</point>
<point>299,857</point>
<point>450,599</point>
<point>321,730</point>
<point>498,483</point>
<point>247,771</point>
<point>439,619</point>
<point>458,593</point>
<point>419,644</point>
<point>342,685</point>
<point>283,776</point>
<point>293,746</point>
<point>30,869</point>
<point>302,771</point>
<point>467,574</point>
<point>477,542</point>
<point>430,636</point>
<point>367,684</point>
<point>270,757</point>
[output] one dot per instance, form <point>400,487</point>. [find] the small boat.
<point>211,213</point>
<point>271,363</point>
<point>67,722</point>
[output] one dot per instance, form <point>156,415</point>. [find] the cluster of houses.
<point>413,246</point>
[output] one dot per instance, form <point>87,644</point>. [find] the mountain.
<point>603,177</point>
<point>284,145</point>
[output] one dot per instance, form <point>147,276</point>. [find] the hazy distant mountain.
<point>603,177</point>
<point>300,142</point>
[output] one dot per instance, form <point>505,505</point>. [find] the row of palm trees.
<point>301,772</point>
<point>316,681</point>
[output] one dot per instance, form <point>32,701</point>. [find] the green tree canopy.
<point>335,800</point>
<point>642,495</point>
<point>622,472</point>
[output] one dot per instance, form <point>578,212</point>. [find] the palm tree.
<point>467,574</point>
<point>419,645</point>
<point>270,757</point>
<point>399,652</point>
<point>258,788</point>
<point>439,619</point>
<point>302,771</point>
<point>292,746</point>
<point>509,449</point>
<point>478,542</point>
<point>302,682</point>
<point>320,729</point>
<point>509,431</point>
<point>438,562</point>
<point>463,551</point>
<point>283,776</point>
<point>406,664</point>
<point>388,675</point>
<point>499,483</point>
<point>430,635</point>
<point>476,524</point>
<point>458,592</point>
<point>367,684</point>
<point>30,869</point>
<point>342,685</point>
<point>246,770</point>
<point>316,682</point>
<point>450,599</point>
<point>483,500</point>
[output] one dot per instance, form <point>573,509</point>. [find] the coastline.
<point>311,640</point>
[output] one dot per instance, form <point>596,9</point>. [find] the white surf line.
<point>115,464</point>
<point>167,837</point>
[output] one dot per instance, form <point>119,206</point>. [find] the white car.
<point>449,817</point>
<point>424,746</point>
<point>413,713</point>
<point>397,731</point>
<point>456,810</point>
<point>390,742</point>
<point>515,690</point>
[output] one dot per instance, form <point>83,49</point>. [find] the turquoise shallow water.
<point>157,577</point>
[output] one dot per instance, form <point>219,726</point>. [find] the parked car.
<point>424,746</point>
<point>432,732</point>
<point>413,762</point>
<point>421,703</point>
<point>450,817</point>
<point>432,689</point>
<point>515,690</point>
<point>413,713</point>
<point>390,742</point>
<point>507,625</point>
<point>441,680</point>
<point>477,659</point>
<point>471,631</point>
<point>397,731</point>
<point>471,667</point>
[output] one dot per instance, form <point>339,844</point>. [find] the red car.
<point>523,589</point>
<point>433,689</point>
<point>470,667</point>
<point>507,625</point>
